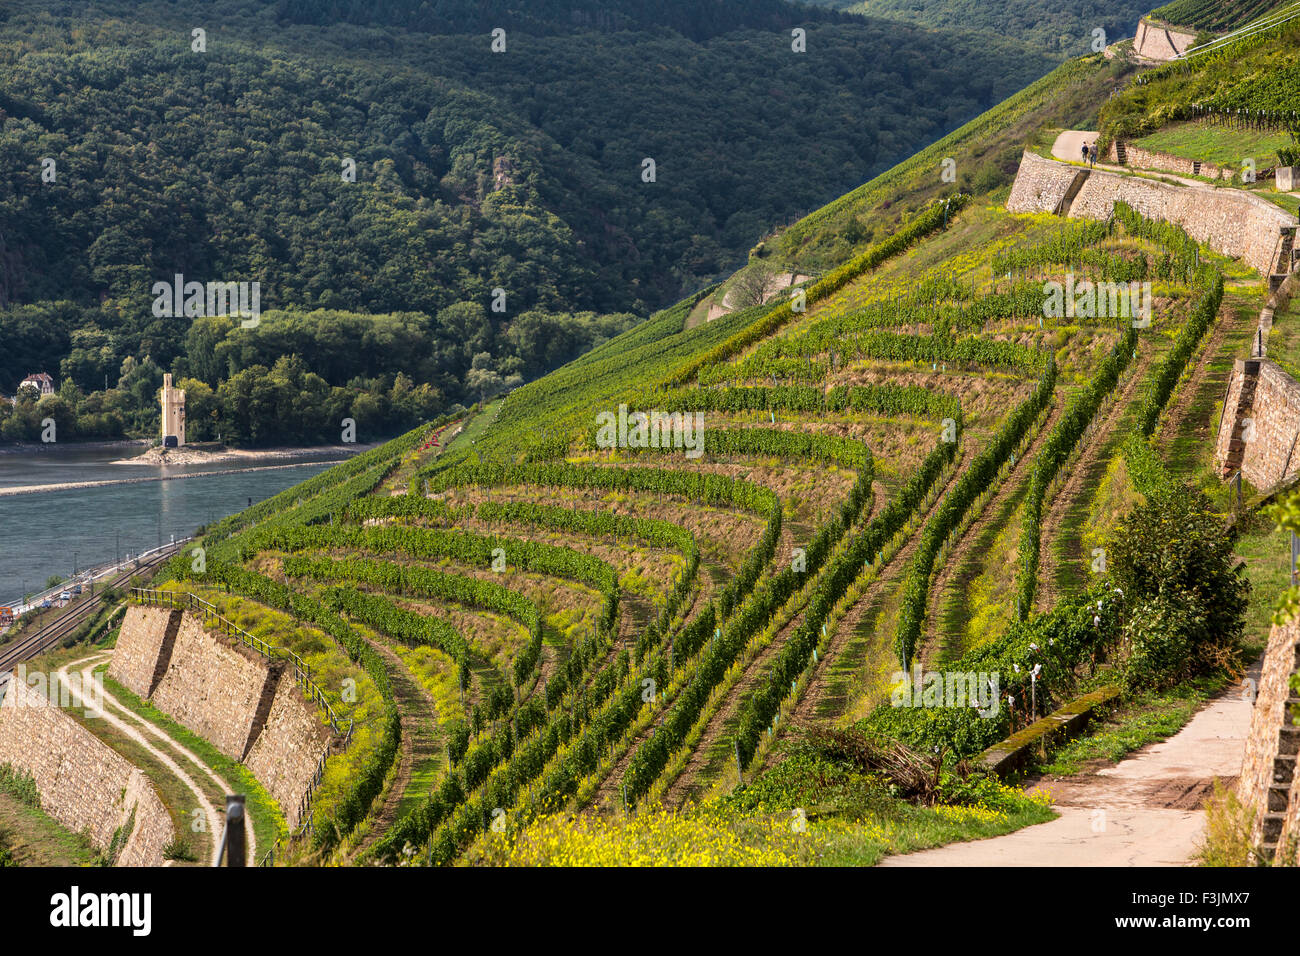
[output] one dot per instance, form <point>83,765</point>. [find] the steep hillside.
<point>1065,30</point>
<point>676,584</point>
<point>1213,15</point>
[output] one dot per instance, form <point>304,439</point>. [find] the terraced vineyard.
<point>619,611</point>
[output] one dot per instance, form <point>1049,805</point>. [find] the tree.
<point>751,285</point>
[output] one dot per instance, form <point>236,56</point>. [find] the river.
<point>52,531</point>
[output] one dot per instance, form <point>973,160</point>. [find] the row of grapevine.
<point>932,218</point>
<point>1060,640</point>
<point>1056,449</point>
<point>878,399</point>
<point>463,547</point>
<point>651,758</point>
<point>369,782</point>
<point>426,582</point>
<point>795,655</point>
<point>776,443</point>
<point>1065,246</point>
<point>697,486</point>
<point>890,347</point>
<point>621,708</point>
<point>321,507</point>
<point>389,452</point>
<point>947,518</point>
<point>662,534</point>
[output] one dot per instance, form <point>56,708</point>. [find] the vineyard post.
<point>740,771</point>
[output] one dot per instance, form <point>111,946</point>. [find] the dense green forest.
<point>502,219</point>
<point>1059,28</point>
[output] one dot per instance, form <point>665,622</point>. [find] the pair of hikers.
<point>1089,155</point>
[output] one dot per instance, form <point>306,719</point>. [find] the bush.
<point>1173,560</point>
<point>1153,643</point>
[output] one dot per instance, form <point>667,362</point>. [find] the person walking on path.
<point>1084,150</point>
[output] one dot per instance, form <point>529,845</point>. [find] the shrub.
<point>1173,560</point>
<point>1153,643</point>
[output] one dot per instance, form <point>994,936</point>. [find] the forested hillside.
<point>1064,29</point>
<point>521,171</point>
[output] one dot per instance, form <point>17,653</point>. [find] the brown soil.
<point>1177,413</point>
<point>984,395</point>
<point>688,786</point>
<point>732,532</point>
<point>818,691</point>
<point>820,489</point>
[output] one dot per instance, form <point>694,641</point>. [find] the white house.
<point>42,383</point>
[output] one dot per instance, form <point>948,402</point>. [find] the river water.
<point>50,532</point>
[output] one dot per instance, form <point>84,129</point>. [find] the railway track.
<point>45,637</point>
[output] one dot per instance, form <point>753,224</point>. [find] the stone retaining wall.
<point>1268,787</point>
<point>246,705</point>
<point>287,751</point>
<point>84,784</point>
<point>1150,159</point>
<point>1230,221</point>
<point>1259,435</point>
<point>144,648</point>
<point>1155,41</point>
<point>216,687</point>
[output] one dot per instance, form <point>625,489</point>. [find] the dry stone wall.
<point>286,753</point>
<point>1155,41</point>
<point>84,784</point>
<point>1149,159</point>
<point>1268,787</point>
<point>1230,221</point>
<point>216,687</point>
<point>144,648</point>
<point>1259,431</point>
<point>248,706</point>
<point>1040,184</point>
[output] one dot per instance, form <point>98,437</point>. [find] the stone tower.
<point>173,413</point>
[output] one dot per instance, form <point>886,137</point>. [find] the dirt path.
<point>1086,473</point>
<point>215,819</point>
<point>1144,811</point>
<point>1185,399</point>
<point>420,743</point>
<point>174,744</point>
<point>1069,143</point>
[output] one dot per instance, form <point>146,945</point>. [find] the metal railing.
<point>212,618</point>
